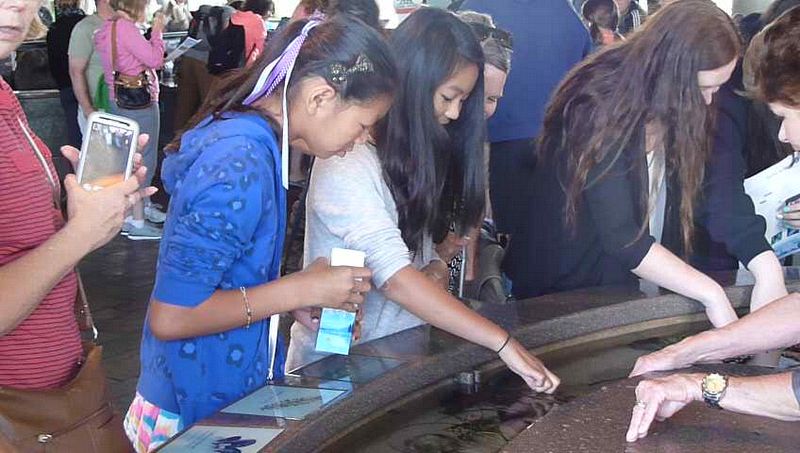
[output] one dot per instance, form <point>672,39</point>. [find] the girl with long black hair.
<point>395,196</point>
<point>211,334</point>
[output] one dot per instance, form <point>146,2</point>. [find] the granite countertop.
<point>381,372</point>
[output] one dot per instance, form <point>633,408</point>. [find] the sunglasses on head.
<point>484,32</point>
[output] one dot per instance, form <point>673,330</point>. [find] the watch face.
<point>714,383</point>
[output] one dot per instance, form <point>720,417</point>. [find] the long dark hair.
<point>435,173</point>
<point>338,40</point>
<point>605,102</point>
<point>260,7</point>
<point>366,10</point>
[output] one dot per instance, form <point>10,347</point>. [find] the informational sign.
<point>219,439</point>
<point>281,401</point>
<point>351,368</point>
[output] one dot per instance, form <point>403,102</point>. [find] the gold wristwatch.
<point>714,386</point>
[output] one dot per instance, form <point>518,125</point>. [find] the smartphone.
<point>109,145</point>
<point>336,326</point>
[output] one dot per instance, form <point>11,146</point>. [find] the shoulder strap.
<point>82,313</point>
<point>114,46</point>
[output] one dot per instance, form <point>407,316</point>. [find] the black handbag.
<point>131,92</point>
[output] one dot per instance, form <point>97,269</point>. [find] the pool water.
<point>483,417</point>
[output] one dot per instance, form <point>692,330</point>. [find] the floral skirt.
<point>148,426</point>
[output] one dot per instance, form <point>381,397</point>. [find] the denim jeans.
<point>149,120</point>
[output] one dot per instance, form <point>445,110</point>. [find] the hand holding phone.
<point>95,217</point>
<point>107,152</point>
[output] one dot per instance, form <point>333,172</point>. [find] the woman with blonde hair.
<point>126,55</point>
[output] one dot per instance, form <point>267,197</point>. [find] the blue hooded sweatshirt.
<point>225,229</point>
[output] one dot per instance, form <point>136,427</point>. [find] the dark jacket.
<point>728,228</point>
<point>58,44</point>
<point>546,256</point>
<point>631,19</point>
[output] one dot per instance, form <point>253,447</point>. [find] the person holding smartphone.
<point>40,346</point>
<point>209,337</point>
<point>789,213</point>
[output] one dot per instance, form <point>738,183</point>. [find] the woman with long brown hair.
<point>621,163</point>
<point>772,62</point>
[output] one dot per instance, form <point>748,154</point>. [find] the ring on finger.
<point>640,403</point>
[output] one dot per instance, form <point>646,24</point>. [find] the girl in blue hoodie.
<point>208,338</point>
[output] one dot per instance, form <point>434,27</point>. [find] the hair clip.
<point>339,73</point>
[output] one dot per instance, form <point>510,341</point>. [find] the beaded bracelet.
<point>505,343</point>
<point>247,310</point>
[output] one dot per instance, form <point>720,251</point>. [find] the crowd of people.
<point>617,147</point>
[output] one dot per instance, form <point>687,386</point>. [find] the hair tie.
<point>276,71</point>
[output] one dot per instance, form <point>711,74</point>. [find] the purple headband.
<point>275,72</point>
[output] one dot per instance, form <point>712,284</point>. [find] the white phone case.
<point>113,121</point>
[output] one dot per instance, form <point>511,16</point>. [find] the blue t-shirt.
<point>225,229</point>
<point>549,39</point>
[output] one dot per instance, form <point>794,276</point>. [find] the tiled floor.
<point>118,280</point>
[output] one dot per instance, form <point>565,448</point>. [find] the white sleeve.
<point>347,199</point>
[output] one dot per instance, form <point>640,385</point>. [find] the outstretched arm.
<point>775,326</point>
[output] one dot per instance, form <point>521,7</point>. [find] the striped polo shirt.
<point>43,350</point>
